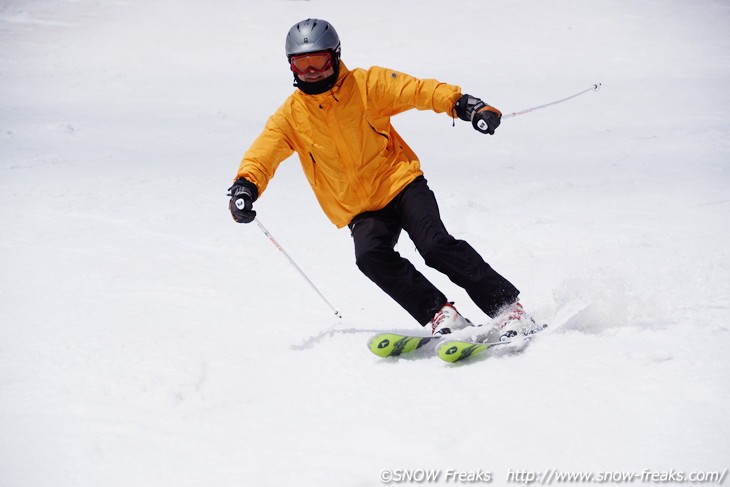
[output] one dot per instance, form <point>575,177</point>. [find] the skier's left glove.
<point>483,117</point>
<point>243,193</point>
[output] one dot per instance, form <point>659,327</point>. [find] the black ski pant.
<point>415,210</point>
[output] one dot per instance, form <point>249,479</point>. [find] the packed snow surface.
<point>148,340</point>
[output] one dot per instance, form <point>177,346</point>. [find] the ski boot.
<point>447,320</point>
<point>513,322</point>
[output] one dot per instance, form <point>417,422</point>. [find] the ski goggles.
<point>315,61</point>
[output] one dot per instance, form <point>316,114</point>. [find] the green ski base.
<point>454,351</point>
<point>393,344</point>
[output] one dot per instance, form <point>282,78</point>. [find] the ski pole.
<point>294,264</point>
<point>595,87</point>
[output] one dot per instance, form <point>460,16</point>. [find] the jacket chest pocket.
<point>383,140</point>
<point>310,169</point>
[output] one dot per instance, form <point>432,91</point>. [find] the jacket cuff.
<point>249,186</point>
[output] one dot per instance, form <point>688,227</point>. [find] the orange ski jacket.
<point>352,156</point>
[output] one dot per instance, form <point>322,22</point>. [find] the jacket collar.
<point>331,93</point>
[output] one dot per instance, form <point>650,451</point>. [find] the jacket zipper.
<point>343,148</point>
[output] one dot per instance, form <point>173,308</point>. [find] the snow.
<point>146,339</point>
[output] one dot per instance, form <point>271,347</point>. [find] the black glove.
<point>483,117</point>
<point>243,193</point>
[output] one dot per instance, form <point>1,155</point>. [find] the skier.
<point>366,177</point>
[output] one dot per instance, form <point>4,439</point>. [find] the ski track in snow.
<point>146,339</point>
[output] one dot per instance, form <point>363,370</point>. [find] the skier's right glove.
<point>243,193</point>
<point>483,117</point>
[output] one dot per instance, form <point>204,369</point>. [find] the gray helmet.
<point>312,35</point>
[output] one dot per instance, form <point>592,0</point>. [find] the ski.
<point>456,350</point>
<point>393,344</point>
